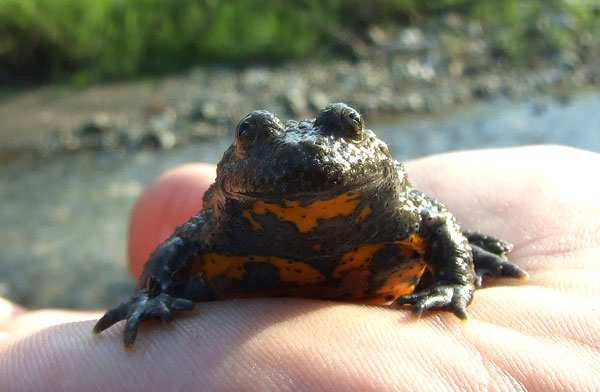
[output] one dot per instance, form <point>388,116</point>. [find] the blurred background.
<point>98,97</point>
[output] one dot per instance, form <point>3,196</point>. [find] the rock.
<point>453,20</point>
<point>97,126</point>
<point>202,132</point>
<point>420,70</point>
<point>155,107</point>
<point>411,39</point>
<point>160,130</point>
<point>414,101</point>
<point>158,139</point>
<point>295,102</point>
<point>205,111</point>
<point>348,43</point>
<point>94,134</point>
<point>379,36</point>
<point>164,121</point>
<point>256,78</point>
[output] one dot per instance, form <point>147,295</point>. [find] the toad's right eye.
<point>258,125</point>
<point>246,132</point>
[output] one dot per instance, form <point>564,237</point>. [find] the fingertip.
<point>8,310</point>
<point>168,201</point>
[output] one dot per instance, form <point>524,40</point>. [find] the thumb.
<point>168,201</point>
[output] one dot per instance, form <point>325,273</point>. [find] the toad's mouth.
<point>369,182</point>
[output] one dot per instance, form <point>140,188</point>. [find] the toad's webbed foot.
<point>451,297</point>
<point>489,257</point>
<point>142,307</point>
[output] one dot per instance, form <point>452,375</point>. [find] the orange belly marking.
<point>400,283</point>
<point>358,258</point>
<point>253,222</point>
<point>306,218</point>
<point>363,214</point>
<point>234,267</point>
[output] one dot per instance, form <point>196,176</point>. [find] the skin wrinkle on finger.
<point>549,315</point>
<point>573,261</point>
<point>577,282</point>
<point>378,371</point>
<point>227,343</point>
<point>502,381</point>
<point>306,349</point>
<point>495,377</point>
<point>446,377</point>
<point>87,361</point>
<point>479,372</point>
<point>520,354</point>
<point>440,370</point>
<point>263,364</point>
<point>378,348</point>
<point>28,322</point>
<point>570,260</point>
<point>299,353</point>
<point>577,237</point>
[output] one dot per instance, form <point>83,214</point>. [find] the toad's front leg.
<point>163,288</point>
<point>450,260</point>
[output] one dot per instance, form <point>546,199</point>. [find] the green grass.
<point>116,38</point>
<point>519,28</point>
<point>88,40</point>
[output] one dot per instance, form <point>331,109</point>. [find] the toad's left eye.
<point>352,124</point>
<point>339,119</point>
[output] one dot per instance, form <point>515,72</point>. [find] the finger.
<point>169,201</point>
<point>8,310</point>
<point>26,322</point>
<point>264,344</point>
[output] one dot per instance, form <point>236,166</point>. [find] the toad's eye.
<point>246,133</point>
<point>341,120</point>
<point>353,124</point>
<point>258,125</point>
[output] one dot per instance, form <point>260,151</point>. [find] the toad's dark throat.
<point>371,181</point>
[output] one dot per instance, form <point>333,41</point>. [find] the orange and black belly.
<point>376,273</point>
<point>321,247</point>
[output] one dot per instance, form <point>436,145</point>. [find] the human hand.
<point>539,335</point>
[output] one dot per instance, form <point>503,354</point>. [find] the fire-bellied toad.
<point>315,209</point>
